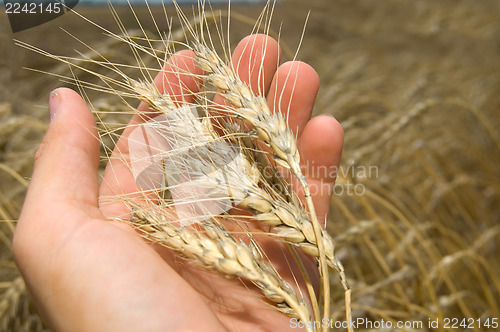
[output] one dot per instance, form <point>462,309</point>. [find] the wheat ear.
<point>217,250</point>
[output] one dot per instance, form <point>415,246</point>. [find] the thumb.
<point>62,193</point>
<point>65,168</point>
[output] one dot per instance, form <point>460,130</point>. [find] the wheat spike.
<point>216,249</point>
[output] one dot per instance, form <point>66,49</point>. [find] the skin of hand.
<point>87,272</point>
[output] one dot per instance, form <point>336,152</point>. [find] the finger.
<point>64,178</point>
<point>179,79</point>
<point>255,60</point>
<point>321,148</point>
<point>65,168</point>
<point>293,91</point>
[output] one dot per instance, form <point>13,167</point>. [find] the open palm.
<point>90,273</point>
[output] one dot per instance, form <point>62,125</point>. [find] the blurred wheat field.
<point>415,85</point>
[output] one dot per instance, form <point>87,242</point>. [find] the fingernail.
<point>54,100</point>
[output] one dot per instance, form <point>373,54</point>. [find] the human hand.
<point>89,273</point>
